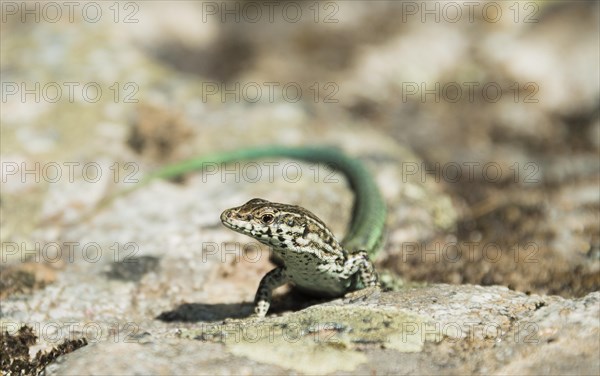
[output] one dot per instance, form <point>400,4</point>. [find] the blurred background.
<point>497,103</point>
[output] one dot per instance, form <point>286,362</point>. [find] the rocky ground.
<point>480,125</point>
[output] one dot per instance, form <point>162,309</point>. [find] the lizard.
<point>313,259</point>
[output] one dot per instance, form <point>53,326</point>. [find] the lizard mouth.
<point>229,225</point>
<point>227,220</point>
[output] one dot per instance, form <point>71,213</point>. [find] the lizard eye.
<point>267,218</point>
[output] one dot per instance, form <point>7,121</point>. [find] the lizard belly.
<point>314,277</point>
<point>322,288</point>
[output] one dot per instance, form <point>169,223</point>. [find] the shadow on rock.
<point>194,312</point>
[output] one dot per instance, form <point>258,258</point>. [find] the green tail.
<point>368,219</point>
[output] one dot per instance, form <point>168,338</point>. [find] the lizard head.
<point>281,226</point>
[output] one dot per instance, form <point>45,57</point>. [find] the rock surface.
<point>439,329</point>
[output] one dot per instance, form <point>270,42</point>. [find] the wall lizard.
<point>313,260</point>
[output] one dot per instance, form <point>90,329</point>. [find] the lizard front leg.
<point>271,280</point>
